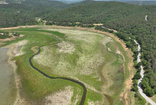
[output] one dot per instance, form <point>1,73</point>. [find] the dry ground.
<point>124,96</point>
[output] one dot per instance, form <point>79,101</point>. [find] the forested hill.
<point>142,2</point>
<point>14,15</point>
<point>25,12</point>
<point>36,3</point>
<point>44,3</point>
<point>96,12</point>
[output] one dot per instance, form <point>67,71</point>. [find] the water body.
<point>7,86</point>
<point>142,76</point>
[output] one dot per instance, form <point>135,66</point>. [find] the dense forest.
<point>24,13</point>
<point>129,20</point>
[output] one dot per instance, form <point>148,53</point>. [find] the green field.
<point>94,59</point>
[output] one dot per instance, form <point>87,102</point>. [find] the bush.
<point>134,87</point>
<point>137,76</point>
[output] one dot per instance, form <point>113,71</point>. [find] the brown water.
<point>7,84</point>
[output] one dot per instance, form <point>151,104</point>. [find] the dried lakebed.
<point>90,66</point>
<point>64,78</point>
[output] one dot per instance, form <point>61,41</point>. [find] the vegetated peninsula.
<point>84,63</point>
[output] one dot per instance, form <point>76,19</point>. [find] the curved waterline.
<point>142,76</point>
<point>64,78</point>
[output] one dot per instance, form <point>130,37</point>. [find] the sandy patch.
<point>154,98</point>
<point>94,103</point>
<point>34,49</point>
<point>62,97</point>
<point>100,24</point>
<point>109,49</point>
<point>19,27</point>
<point>109,29</point>
<point>18,47</point>
<point>105,41</point>
<point>118,52</point>
<point>66,47</point>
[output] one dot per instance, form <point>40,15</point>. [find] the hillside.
<point>14,14</point>
<point>142,2</point>
<point>44,3</point>
<point>34,3</point>
<point>96,12</point>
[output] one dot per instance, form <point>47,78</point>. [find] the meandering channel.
<point>64,78</point>
<point>142,76</point>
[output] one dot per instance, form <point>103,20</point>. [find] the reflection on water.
<point>6,79</point>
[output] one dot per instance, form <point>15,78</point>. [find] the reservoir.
<point>7,84</point>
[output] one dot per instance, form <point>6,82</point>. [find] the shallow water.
<point>7,86</point>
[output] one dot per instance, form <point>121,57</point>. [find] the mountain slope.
<point>44,3</point>
<point>96,12</point>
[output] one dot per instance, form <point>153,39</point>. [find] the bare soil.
<point>34,49</point>
<point>62,97</point>
<point>19,100</point>
<point>154,98</point>
<point>19,27</point>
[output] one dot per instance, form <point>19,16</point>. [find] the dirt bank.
<point>11,54</point>
<point>19,27</point>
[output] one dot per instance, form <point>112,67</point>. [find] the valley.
<point>81,52</point>
<point>95,59</point>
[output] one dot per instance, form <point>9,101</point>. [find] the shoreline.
<point>29,26</point>
<point>10,53</point>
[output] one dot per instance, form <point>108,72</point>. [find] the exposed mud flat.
<point>7,84</point>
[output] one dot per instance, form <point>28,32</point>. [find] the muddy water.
<point>7,87</point>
